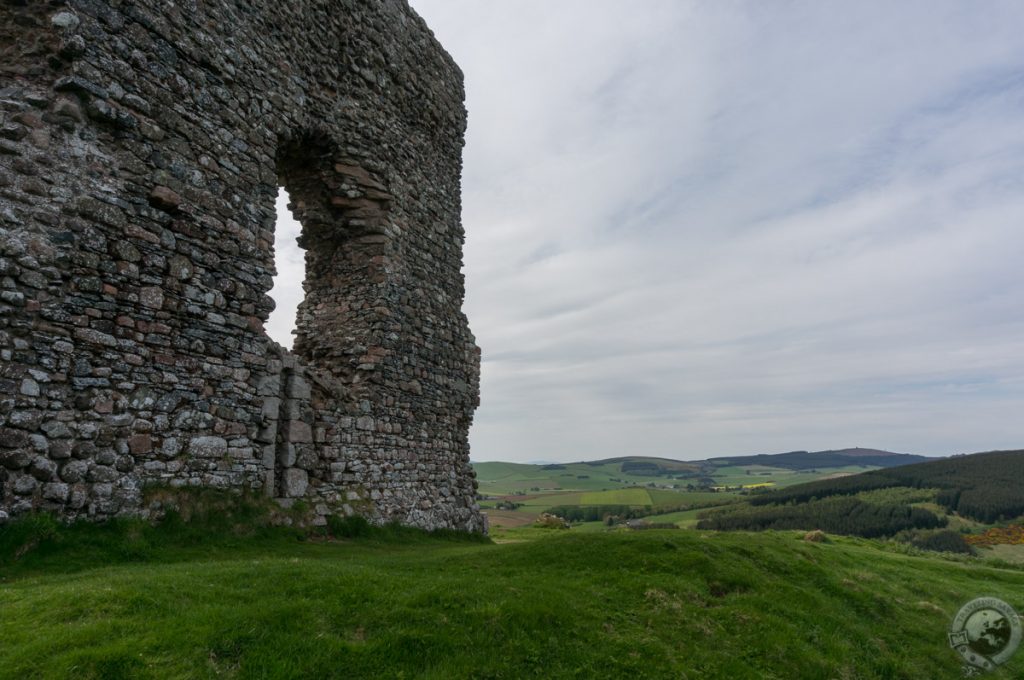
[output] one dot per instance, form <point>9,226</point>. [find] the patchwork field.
<point>516,493</point>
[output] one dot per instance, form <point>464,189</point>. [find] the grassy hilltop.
<point>229,595</point>
<point>222,599</point>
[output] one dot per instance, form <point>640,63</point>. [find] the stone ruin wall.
<point>142,144</point>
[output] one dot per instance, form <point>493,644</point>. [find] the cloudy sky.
<point>710,228</point>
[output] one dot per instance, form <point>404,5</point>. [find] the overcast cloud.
<point>713,228</point>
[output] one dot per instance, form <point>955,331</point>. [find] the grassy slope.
<point>648,604</point>
<point>504,478</point>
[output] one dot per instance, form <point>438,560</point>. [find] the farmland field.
<point>632,481</point>
<point>633,496</point>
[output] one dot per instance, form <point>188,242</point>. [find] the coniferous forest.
<point>987,487</point>
<point>849,516</point>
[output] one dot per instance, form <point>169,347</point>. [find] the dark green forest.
<point>987,487</point>
<point>594,513</point>
<point>849,516</point>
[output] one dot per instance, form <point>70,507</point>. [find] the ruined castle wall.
<point>142,144</point>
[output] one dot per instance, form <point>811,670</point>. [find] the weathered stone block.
<point>269,456</point>
<point>42,468</point>
<point>207,447</point>
<point>56,492</point>
<point>269,385</point>
<point>140,443</point>
<point>294,483</point>
<point>29,387</point>
<point>170,447</point>
<point>16,459</point>
<point>298,388</point>
<point>102,473</point>
<point>297,432</point>
<point>10,438</point>
<point>286,455</point>
<point>24,485</point>
<point>271,408</point>
<point>268,434</point>
<point>74,471</point>
<point>59,450</point>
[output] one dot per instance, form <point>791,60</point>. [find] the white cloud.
<point>703,228</point>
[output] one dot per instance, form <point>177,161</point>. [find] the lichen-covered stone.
<point>142,146</point>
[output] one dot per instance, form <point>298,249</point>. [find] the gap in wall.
<point>290,261</point>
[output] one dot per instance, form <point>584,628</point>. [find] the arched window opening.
<point>289,260</point>
<point>339,304</point>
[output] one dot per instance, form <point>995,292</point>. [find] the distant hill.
<point>804,460</point>
<point>734,472</point>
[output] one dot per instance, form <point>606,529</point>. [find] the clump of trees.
<point>596,513</point>
<point>942,541</point>
<point>621,513</point>
<point>642,467</point>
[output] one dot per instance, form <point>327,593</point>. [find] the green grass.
<point>686,519</point>
<point>397,603</point>
<point>1011,554</point>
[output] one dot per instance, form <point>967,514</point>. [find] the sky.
<point>718,228</point>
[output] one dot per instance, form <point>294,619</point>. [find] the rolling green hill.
<point>778,469</point>
<point>983,486</point>
<point>125,601</point>
<point>964,493</point>
<point>514,494</point>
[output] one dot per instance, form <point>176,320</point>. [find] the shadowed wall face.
<point>141,148</point>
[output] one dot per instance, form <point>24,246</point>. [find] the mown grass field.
<point>633,496</point>
<point>740,475</point>
<point>653,604</point>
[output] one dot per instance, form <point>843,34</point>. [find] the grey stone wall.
<point>142,144</point>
